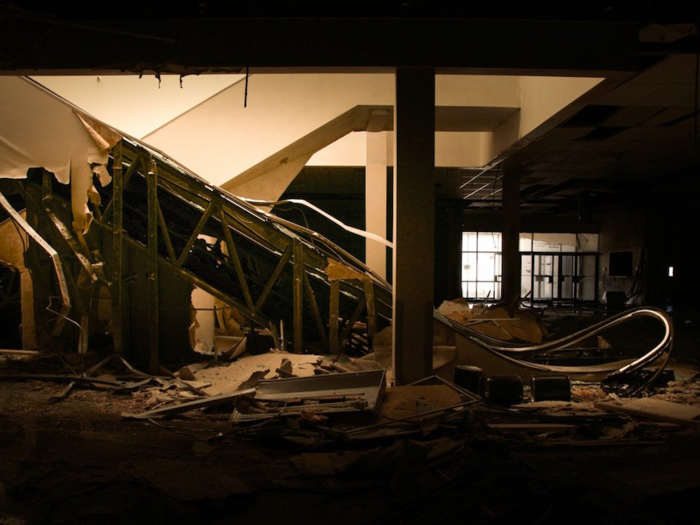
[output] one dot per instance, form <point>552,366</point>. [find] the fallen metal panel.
<point>190,405</point>
<point>333,393</point>
<point>437,380</point>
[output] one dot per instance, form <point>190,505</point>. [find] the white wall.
<point>477,91</point>
<point>218,138</point>
<point>221,138</point>
<point>463,149</point>
<point>137,106</point>
<point>543,97</point>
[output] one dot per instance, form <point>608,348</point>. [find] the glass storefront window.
<point>554,272</point>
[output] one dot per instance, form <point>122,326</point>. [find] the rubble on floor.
<point>339,428</point>
<point>319,391</point>
<point>313,397</point>
<point>499,322</point>
<point>223,378</point>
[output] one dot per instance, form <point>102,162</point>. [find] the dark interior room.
<point>349,262</point>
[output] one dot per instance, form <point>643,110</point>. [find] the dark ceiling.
<point>611,10</point>
<point>198,36</point>
<point>634,140</point>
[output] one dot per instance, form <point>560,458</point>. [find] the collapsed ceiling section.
<point>270,270</point>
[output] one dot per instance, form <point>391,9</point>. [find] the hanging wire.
<point>61,315</point>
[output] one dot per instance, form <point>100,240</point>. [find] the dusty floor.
<point>76,461</point>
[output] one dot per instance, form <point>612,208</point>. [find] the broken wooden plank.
<point>190,405</point>
<point>655,409</point>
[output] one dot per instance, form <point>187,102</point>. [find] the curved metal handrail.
<point>613,368</point>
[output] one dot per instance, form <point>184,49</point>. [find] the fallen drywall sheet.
<point>40,130</point>
<point>316,395</point>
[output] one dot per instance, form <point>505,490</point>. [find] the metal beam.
<point>166,234</point>
<point>314,310</point>
<point>117,157</point>
<point>333,340</point>
<point>233,257</point>
<point>273,278</point>
<point>31,232</point>
<point>298,295</point>
<point>117,206</point>
<point>153,322</point>
<point>361,303</point>
<point>197,230</point>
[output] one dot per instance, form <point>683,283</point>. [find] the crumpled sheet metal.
<point>323,394</point>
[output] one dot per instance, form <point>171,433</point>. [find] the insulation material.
<point>42,130</point>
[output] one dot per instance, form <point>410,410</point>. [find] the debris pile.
<point>339,430</point>
<point>498,322</point>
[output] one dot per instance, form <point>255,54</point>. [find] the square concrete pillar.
<point>510,287</point>
<point>414,223</point>
<point>375,200</point>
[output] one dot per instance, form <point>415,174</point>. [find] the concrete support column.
<point>510,290</point>
<point>414,223</point>
<point>375,200</point>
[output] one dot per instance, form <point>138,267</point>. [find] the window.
<point>481,265</point>
<point>554,266</point>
